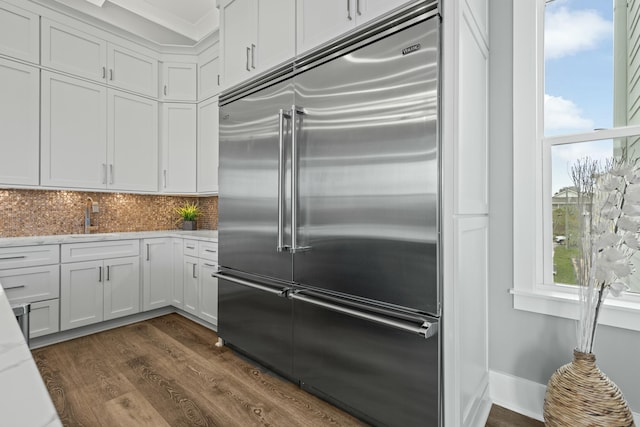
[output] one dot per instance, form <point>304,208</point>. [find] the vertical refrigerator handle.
<point>295,113</point>
<point>280,247</point>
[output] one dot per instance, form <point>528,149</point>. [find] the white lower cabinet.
<point>157,273</point>
<point>177,290</point>
<point>44,318</point>
<point>31,274</point>
<point>200,287</point>
<point>99,290</point>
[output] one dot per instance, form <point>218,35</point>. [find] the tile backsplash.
<point>44,212</point>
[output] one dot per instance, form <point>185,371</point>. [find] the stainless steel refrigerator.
<point>329,221</point>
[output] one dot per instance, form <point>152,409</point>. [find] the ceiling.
<point>164,22</point>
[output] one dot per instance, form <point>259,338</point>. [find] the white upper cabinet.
<point>19,123</point>
<point>178,81</point>
<point>318,22</point>
<point>19,33</point>
<point>132,71</point>
<point>73,51</point>
<point>132,143</point>
<point>209,79</point>
<point>73,132</point>
<point>67,49</point>
<point>208,146</point>
<point>179,141</point>
<point>255,37</point>
<point>97,138</point>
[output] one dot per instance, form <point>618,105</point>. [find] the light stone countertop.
<point>24,400</point>
<point>207,235</point>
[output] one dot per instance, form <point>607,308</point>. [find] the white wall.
<point>522,344</point>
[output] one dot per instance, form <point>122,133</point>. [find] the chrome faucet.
<point>89,206</point>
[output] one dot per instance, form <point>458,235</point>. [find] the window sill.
<point>619,313</point>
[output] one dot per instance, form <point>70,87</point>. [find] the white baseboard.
<point>521,395</point>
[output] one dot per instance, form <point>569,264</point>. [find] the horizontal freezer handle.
<point>282,292</point>
<point>427,329</point>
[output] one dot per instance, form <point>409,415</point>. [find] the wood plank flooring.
<point>167,372</point>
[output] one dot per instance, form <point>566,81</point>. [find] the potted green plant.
<point>189,213</point>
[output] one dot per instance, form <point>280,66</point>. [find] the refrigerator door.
<point>254,317</point>
<point>252,169</point>
<point>378,369</point>
<point>368,186</point>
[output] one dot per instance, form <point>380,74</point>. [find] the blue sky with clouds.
<point>578,78</point>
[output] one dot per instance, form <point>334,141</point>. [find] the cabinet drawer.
<point>28,256</point>
<point>208,250</point>
<point>31,284</point>
<point>191,247</point>
<point>44,318</point>
<point>74,252</point>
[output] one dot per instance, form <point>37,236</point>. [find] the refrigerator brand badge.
<point>411,49</point>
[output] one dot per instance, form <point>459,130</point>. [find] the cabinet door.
<point>44,318</point>
<point>238,24</point>
<point>73,133</point>
<point>177,298</point>
<point>321,21</point>
<point>208,300</point>
<point>67,49</point>
<point>121,287</point>
<point>367,10</point>
<point>81,297</point>
<point>208,146</point>
<point>132,71</point>
<point>19,122</point>
<point>19,33</point>
<point>179,81</point>
<point>157,273</point>
<point>190,282</point>
<point>276,32</point>
<point>132,152</point>
<point>179,140</point>
<point>208,74</point>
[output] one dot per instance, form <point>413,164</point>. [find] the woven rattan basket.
<point>580,394</point>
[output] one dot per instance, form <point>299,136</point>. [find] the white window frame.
<point>533,289</point>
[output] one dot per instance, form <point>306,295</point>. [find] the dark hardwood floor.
<point>167,372</point>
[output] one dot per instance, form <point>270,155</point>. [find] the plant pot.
<point>580,394</point>
<point>189,225</point>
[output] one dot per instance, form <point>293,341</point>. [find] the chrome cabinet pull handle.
<point>253,56</point>
<point>104,173</point>
<point>99,274</point>
<point>165,90</point>
<point>111,74</point>
<point>218,79</point>
<point>104,72</point>
<point>194,272</point>
<point>13,257</point>
<point>165,178</point>
<point>148,256</point>
<point>15,287</point>
<point>108,270</point>
<point>358,11</point>
<point>248,53</point>
<point>111,173</point>
<point>349,10</point>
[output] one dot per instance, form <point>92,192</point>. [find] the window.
<point>576,94</point>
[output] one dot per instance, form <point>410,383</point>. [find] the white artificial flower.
<point>631,241</point>
<point>625,223</point>
<point>607,239</point>
<point>632,194</point>
<point>617,288</point>
<point>621,269</point>
<point>612,255</point>
<point>610,183</point>
<point>603,271</point>
<point>631,209</point>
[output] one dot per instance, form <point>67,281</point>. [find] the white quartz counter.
<point>24,400</point>
<point>208,235</point>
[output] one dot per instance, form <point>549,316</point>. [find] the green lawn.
<point>563,264</point>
